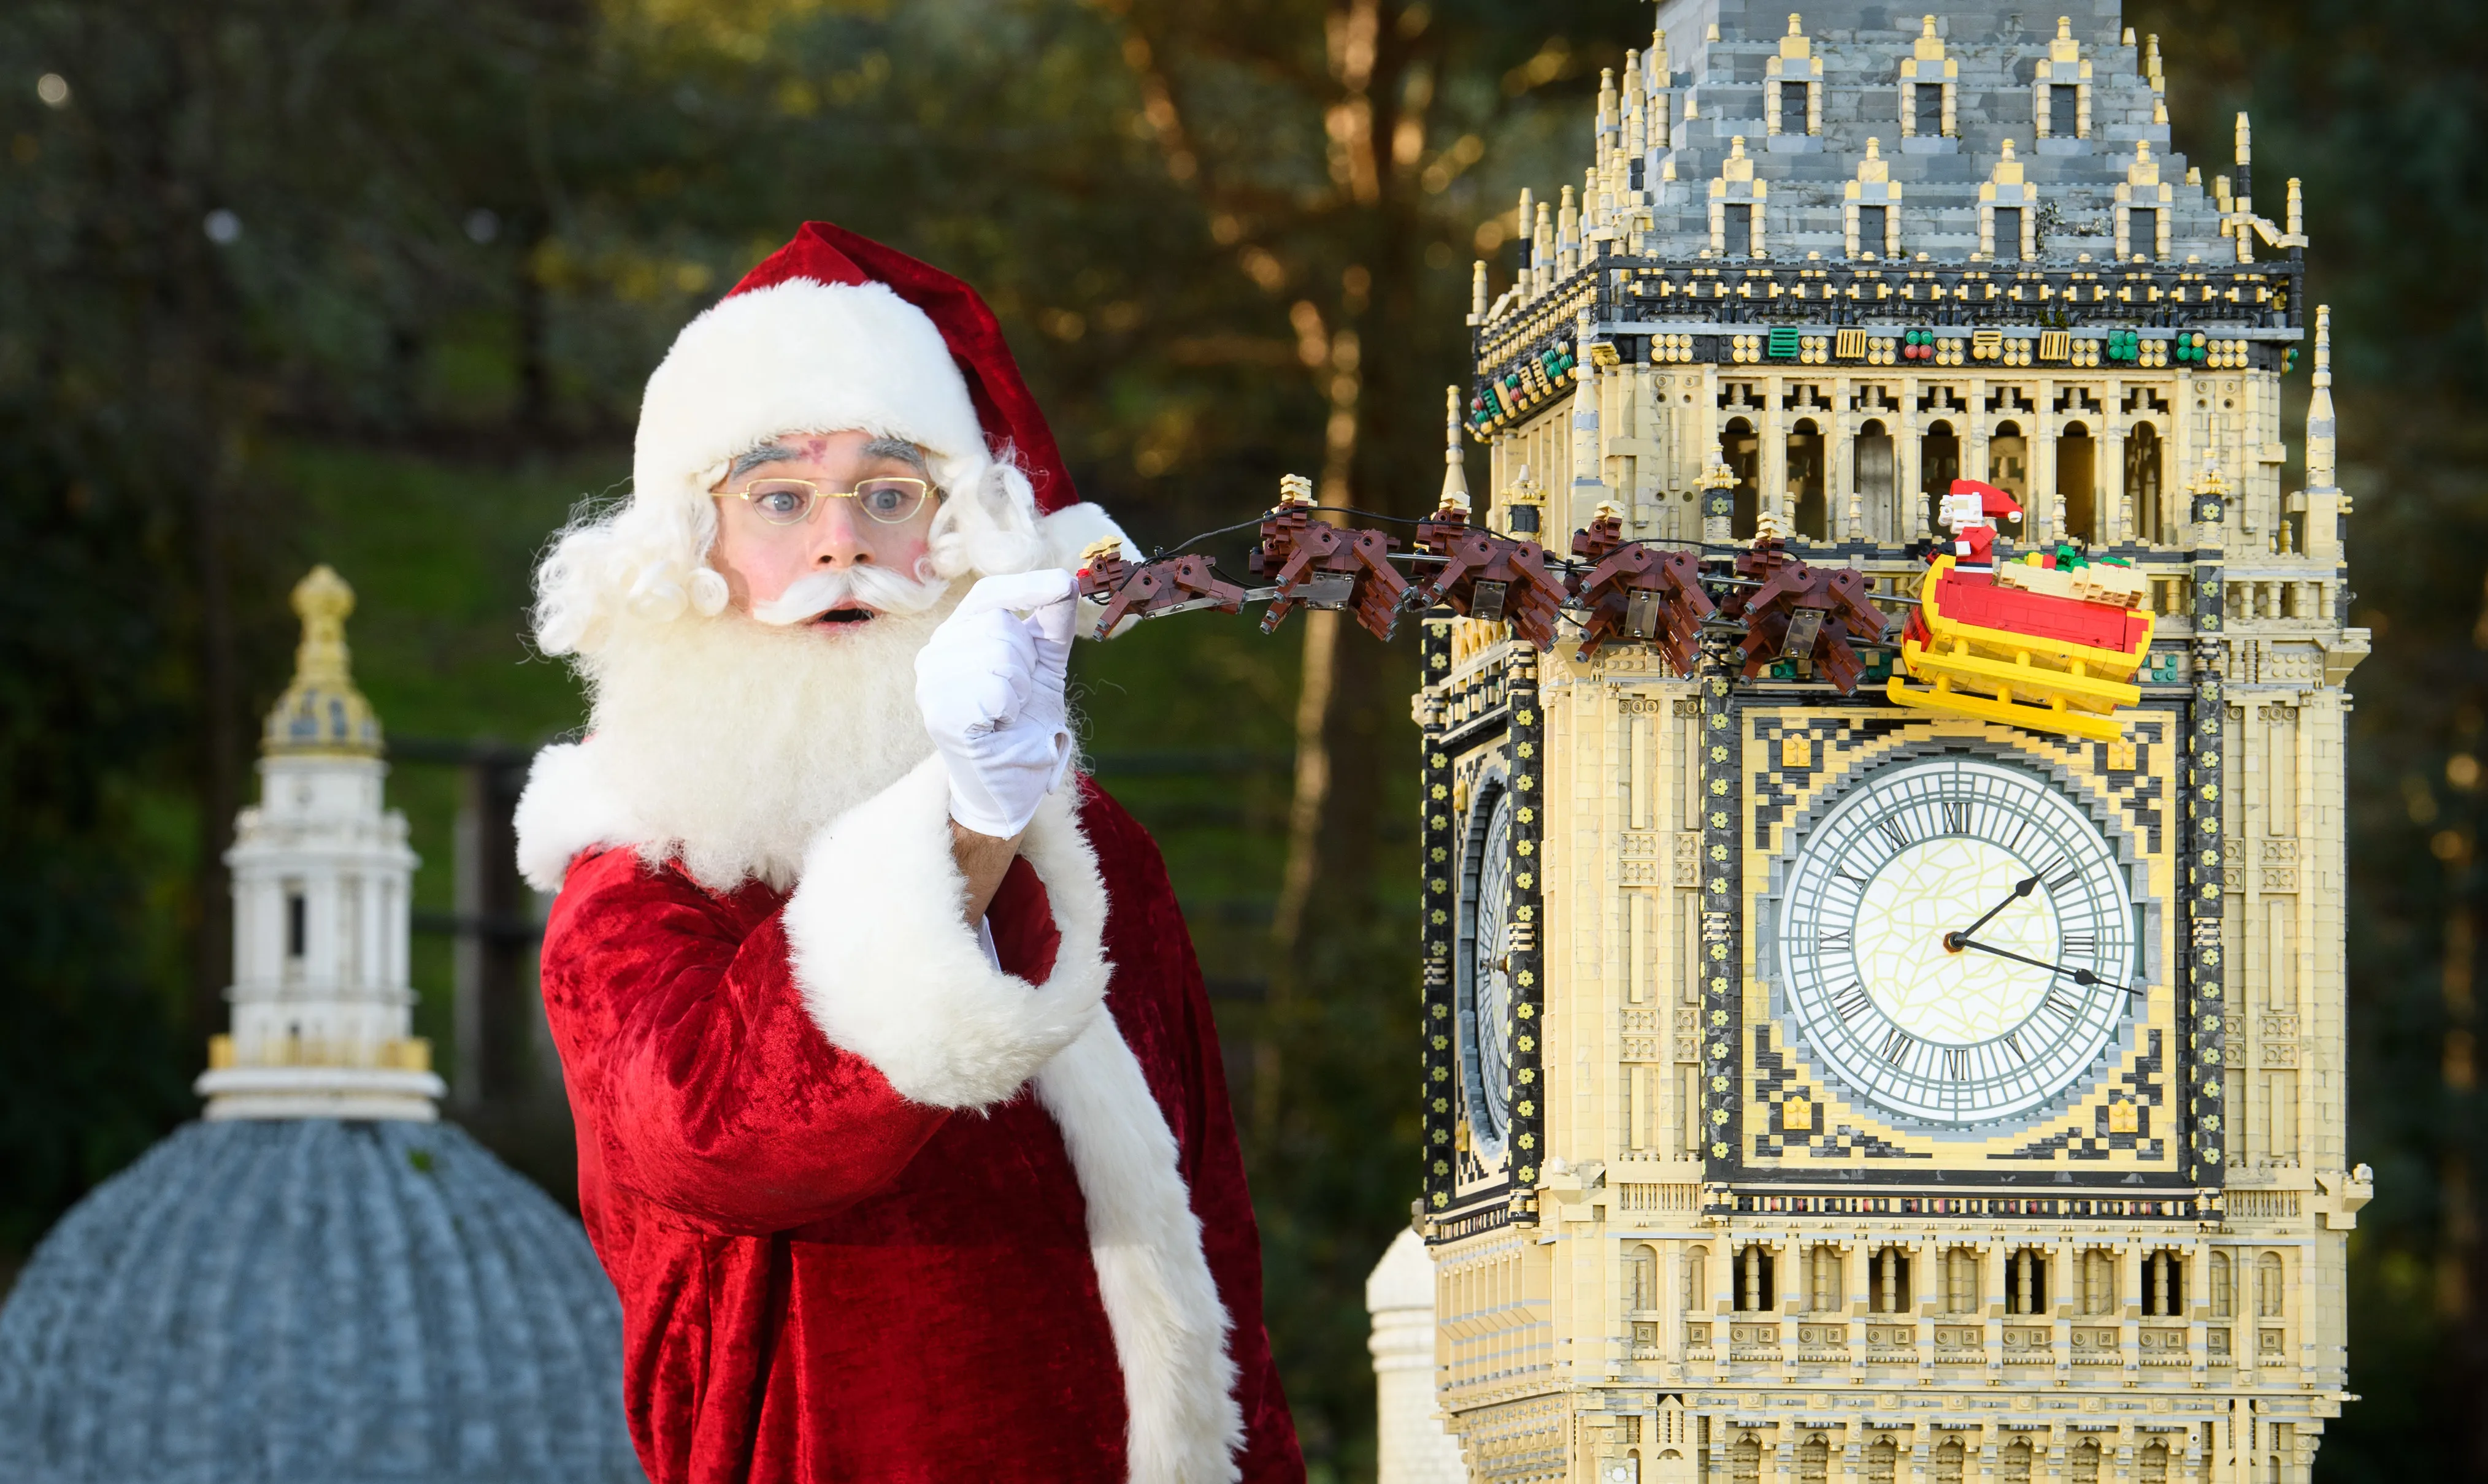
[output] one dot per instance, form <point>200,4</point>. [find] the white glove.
<point>990,685</point>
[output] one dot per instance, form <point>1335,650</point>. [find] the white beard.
<point>733,742</point>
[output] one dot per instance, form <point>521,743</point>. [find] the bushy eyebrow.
<point>898,449</point>
<point>766,453</point>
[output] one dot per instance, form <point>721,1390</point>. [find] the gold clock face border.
<point>2117,1124</point>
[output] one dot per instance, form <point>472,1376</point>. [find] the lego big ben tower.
<point>1932,1073</point>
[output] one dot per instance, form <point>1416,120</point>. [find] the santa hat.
<point>835,331</point>
<point>1993,503</point>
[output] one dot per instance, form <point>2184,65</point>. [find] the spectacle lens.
<point>890,500</point>
<point>780,501</point>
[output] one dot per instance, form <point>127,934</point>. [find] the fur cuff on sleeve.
<point>891,971</point>
<point>567,806</point>
<point>1074,528</point>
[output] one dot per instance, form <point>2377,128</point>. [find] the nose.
<point>839,538</point>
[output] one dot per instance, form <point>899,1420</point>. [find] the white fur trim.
<point>567,806</point>
<point>891,971</point>
<point>798,356</point>
<point>1160,1302</point>
<point>1074,529</point>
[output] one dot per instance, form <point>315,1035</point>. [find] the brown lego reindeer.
<point>1811,615</point>
<point>1321,565</point>
<point>1488,576</point>
<point>1638,592</point>
<point>1178,584</point>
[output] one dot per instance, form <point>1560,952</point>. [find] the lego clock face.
<point>1957,940</point>
<point>1484,993</point>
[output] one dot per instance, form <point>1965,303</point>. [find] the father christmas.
<point>901,1126</point>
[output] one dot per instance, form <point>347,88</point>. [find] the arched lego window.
<point>1876,481</point>
<point>1887,1284</point>
<point>1814,1460</point>
<point>2099,1283</point>
<point>1742,452</point>
<point>2013,1462</point>
<point>2164,1285</point>
<point>1641,1277</point>
<point>1961,1280</point>
<point>2083,1462</point>
<point>1806,481</point>
<point>2008,462</point>
<point>2142,482</point>
<point>2076,480</point>
<point>1745,1458</point>
<point>1822,1295</point>
<point>2151,1463</point>
<point>1755,1291</point>
<point>1938,465</point>
<point>2026,1283</point>
<point>1950,1459</point>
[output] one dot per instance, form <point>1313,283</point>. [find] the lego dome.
<point>358,1303</point>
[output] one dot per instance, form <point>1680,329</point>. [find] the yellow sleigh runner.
<point>2030,646</point>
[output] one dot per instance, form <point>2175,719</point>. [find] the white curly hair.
<point>648,560</point>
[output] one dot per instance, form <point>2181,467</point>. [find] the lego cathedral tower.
<point>1737,1166</point>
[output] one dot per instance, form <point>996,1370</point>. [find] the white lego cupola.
<point>321,883</point>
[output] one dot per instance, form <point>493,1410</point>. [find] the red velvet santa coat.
<point>878,1212</point>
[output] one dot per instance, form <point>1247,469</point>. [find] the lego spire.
<point>1636,130</point>
<point>2320,425</point>
<point>2246,165</point>
<point>1456,476</point>
<point>1543,248</point>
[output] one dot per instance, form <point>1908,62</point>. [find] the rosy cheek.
<point>753,574</point>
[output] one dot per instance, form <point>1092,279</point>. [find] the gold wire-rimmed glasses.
<point>890,499</point>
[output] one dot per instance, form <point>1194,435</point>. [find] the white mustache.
<point>867,586</point>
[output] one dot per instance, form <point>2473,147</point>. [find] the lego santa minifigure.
<point>1971,513</point>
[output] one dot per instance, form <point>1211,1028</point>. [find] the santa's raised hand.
<point>990,685</point>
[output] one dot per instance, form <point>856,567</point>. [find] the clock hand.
<point>2080,976</point>
<point>1955,940</point>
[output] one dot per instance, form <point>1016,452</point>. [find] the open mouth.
<point>846,615</point>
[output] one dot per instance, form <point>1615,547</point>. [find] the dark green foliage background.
<point>1168,207</point>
